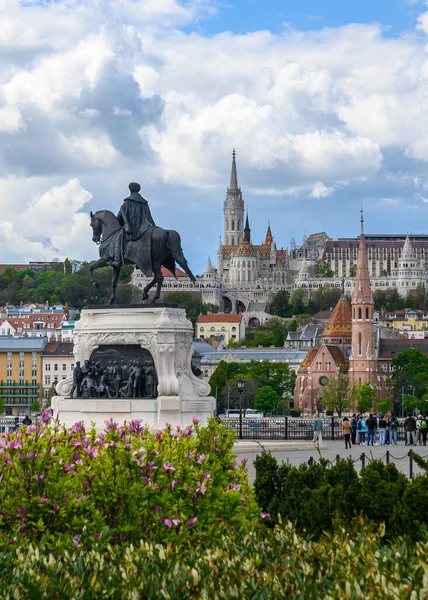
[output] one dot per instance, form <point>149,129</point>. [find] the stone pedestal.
<point>165,333</point>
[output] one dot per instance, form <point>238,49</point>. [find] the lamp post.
<point>241,385</point>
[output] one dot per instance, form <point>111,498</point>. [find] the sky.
<point>325,102</point>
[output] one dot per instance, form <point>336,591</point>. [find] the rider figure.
<point>135,218</point>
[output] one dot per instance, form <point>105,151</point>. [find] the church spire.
<point>362,290</point>
<point>247,230</point>
<point>269,236</point>
<point>233,174</point>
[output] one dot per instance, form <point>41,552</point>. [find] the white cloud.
<point>10,119</point>
<point>320,190</point>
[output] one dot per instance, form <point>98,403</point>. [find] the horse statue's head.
<point>97,228</point>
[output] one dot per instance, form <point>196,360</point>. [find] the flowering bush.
<point>125,484</point>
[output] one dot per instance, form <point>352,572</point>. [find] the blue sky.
<point>325,102</point>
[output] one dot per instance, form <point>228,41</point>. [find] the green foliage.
<point>410,402</point>
<point>297,301</point>
<point>293,325</point>
<point>191,305</point>
<point>266,399</point>
<point>339,393</point>
<point>35,407</point>
<point>280,305</point>
<point>322,496</point>
<point>209,308</point>
<point>323,269</point>
<point>388,300</point>
<point>324,298</point>
<point>257,563</point>
<point>384,405</point>
<point>409,370</point>
<point>366,397</point>
<point>353,271</point>
<point>126,484</point>
<point>218,379</point>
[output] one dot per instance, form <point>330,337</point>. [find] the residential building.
<point>21,372</point>
<point>57,364</point>
<point>230,326</point>
<point>53,326</point>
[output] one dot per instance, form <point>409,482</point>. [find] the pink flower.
<point>192,521</point>
<point>55,509</point>
<point>195,420</point>
<point>91,452</point>
<point>150,465</point>
<point>158,436</point>
<point>157,509</point>
<point>176,521</point>
<point>14,445</point>
<point>202,488</point>
<point>10,541</point>
<point>77,444</point>
<point>233,466</point>
<point>190,455</point>
<point>168,523</point>
<point>96,534</point>
<point>206,476</point>
<point>40,477</point>
<point>244,461</point>
<point>265,515</point>
<point>215,439</point>
<point>174,484</point>
<point>30,454</point>
<point>22,512</point>
<point>188,431</point>
<point>135,426</point>
<point>201,459</point>
<point>77,427</point>
<point>111,425</point>
<point>75,539</point>
<point>168,467</point>
<point>67,468</point>
<point>234,486</point>
<point>46,416</point>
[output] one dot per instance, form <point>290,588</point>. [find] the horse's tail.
<point>174,246</point>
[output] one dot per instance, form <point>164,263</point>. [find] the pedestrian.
<point>27,420</point>
<point>424,429</point>
<point>361,426</point>
<point>346,428</point>
<point>410,429</point>
<point>382,429</point>
<point>418,431</point>
<point>371,424</point>
<point>354,430</point>
<point>317,429</point>
<point>393,428</point>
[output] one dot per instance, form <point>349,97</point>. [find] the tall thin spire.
<point>247,230</point>
<point>233,174</point>
<point>362,220</point>
<point>362,291</point>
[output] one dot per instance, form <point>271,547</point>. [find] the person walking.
<point>354,430</point>
<point>361,426</point>
<point>382,429</point>
<point>424,429</point>
<point>410,429</point>
<point>346,428</point>
<point>317,429</point>
<point>371,429</point>
<point>418,431</point>
<point>393,428</point>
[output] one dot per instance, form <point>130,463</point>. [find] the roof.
<point>16,267</point>
<point>340,321</point>
<point>245,248</point>
<point>12,344</point>
<point>389,348</point>
<point>322,315</point>
<point>203,347</point>
<point>219,318</point>
<point>335,353</point>
<point>178,272</point>
<point>272,354</point>
<point>45,318</point>
<point>59,349</point>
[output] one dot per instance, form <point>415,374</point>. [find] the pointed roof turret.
<point>247,230</point>
<point>362,292</point>
<point>269,236</point>
<point>305,238</point>
<point>292,242</point>
<point>233,174</point>
<point>408,251</point>
<point>209,267</point>
<point>340,322</point>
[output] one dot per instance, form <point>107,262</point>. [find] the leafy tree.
<point>278,376</point>
<point>68,269</point>
<point>280,305</point>
<point>326,298</point>
<point>338,394</point>
<point>54,299</point>
<point>278,338</point>
<point>323,269</point>
<point>353,271</point>
<point>366,397</point>
<point>421,297</point>
<point>184,300</point>
<point>248,395</point>
<point>266,399</point>
<point>35,407</point>
<point>2,407</point>
<point>409,370</point>
<point>297,301</point>
<point>209,308</point>
<point>384,405</point>
<point>293,326</point>
<point>218,379</point>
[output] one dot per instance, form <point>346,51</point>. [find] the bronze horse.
<point>165,252</point>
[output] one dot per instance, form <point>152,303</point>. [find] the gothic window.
<point>233,225</point>
<point>233,241</point>
<point>360,316</point>
<point>243,264</point>
<point>354,312</point>
<point>239,275</point>
<point>239,225</point>
<point>360,345</point>
<point>367,313</point>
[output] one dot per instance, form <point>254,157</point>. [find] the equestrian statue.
<point>132,238</point>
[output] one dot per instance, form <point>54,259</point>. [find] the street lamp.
<point>241,385</point>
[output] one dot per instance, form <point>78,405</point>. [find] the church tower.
<point>362,361</point>
<point>233,209</point>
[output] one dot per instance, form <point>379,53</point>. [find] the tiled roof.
<point>29,320</point>
<point>340,322</point>
<point>178,272</point>
<point>335,353</point>
<point>309,358</point>
<point>245,248</point>
<point>322,315</point>
<point>220,318</point>
<point>389,348</point>
<point>59,349</point>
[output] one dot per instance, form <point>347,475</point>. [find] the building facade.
<point>57,364</point>
<point>230,326</point>
<point>21,373</point>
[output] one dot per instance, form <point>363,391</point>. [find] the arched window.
<point>360,315</point>
<point>233,225</point>
<point>360,344</point>
<point>367,313</point>
<point>239,225</point>
<point>202,329</point>
<point>233,241</point>
<point>243,263</point>
<point>212,328</point>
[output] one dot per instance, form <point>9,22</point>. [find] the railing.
<point>9,424</point>
<point>289,428</point>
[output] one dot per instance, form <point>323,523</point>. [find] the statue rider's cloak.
<point>135,214</point>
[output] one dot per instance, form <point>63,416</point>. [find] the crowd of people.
<point>382,430</point>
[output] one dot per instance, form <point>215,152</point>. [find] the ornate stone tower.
<point>233,209</point>
<point>362,362</point>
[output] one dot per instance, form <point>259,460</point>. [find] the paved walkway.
<point>297,453</point>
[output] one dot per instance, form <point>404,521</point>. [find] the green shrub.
<point>127,482</point>
<point>246,563</point>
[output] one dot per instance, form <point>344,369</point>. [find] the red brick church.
<point>347,343</point>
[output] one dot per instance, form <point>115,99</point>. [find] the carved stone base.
<point>164,332</point>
